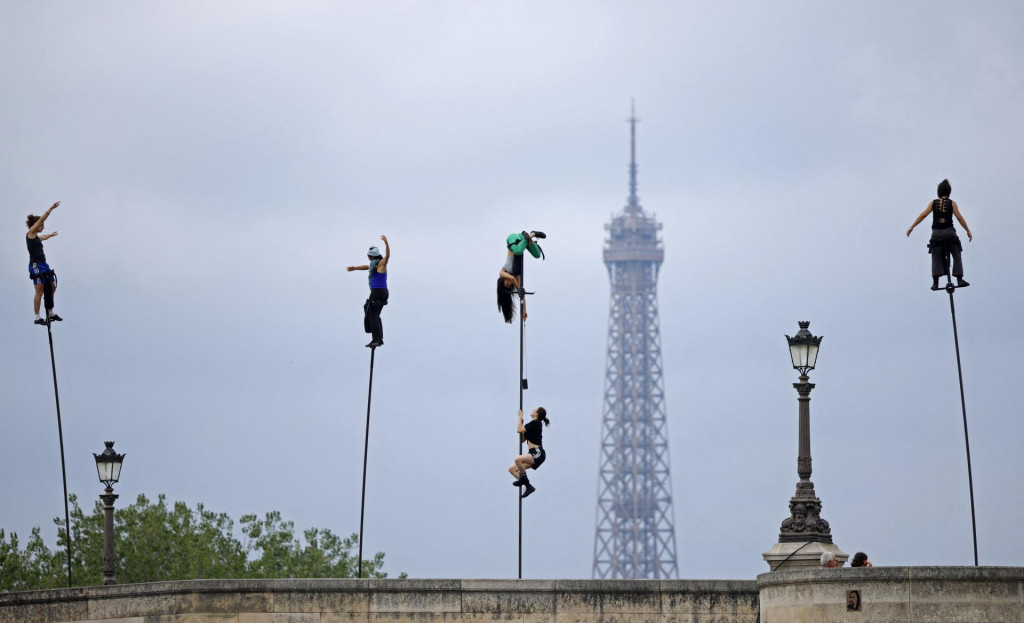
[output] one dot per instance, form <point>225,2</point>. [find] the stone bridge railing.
<point>394,601</point>
<point>882,594</point>
<point>894,595</point>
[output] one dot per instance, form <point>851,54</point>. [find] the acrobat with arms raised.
<point>378,298</point>
<point>42,276</point>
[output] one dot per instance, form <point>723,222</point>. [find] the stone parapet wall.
<point>394,601</point>
<point>894,595</point>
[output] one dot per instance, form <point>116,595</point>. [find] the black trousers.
<point>48,294</point>
<point>371,313</point>
<point>943,240</point>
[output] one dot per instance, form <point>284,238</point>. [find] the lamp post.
<point>803,350</point>
<point>108,466</point>
<point>804,535</point>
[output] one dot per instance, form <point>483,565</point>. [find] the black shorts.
<point>538,455</point>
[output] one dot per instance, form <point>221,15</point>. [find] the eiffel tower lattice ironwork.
<point>635,536</point>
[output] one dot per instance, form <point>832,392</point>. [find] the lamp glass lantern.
<point>803,348</point>
<point>108,464</point>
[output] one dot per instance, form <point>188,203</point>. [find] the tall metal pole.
<point>963,407</point>
<point>108,498</point>
<point>60,436</point>
<point>366,449</point>
<point>522,332</point>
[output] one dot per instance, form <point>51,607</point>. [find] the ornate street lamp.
<point>108,466</point>
<point>804,526</point>
<point>803,349</point>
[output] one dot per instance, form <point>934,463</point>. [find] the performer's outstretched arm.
<point>32,231</point>
<point>382,266</point>
<point>360,267</point>
<point>963,223</point>
<point>921,217</point>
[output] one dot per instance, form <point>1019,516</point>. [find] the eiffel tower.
<point>635,536</point>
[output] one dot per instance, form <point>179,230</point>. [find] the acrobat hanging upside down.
<point>510,277</point>
<point>944,241</point>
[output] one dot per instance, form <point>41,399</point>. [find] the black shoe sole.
<point>528,491</point>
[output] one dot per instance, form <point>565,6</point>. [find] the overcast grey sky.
<point>219,164</point>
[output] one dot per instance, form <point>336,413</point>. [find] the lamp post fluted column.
<point>804,523</point>
<point>803,461</point>
<point>108,498</point>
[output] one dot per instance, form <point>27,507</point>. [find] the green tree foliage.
<point>156,542</point>
<point>30,568</point>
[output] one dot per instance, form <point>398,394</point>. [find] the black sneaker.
<point>935,286</point>
<point>539,234</point>
<point>960,283</point>
<point>374,344</point>
<point>40,321</point>
<point>517,483</point>
<point>529,489</point>
<point>55,318</point>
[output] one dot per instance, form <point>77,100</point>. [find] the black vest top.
<point>534,431</point>
<point>35,250</point>
<point>942,214</point>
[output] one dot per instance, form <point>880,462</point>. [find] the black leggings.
<point>48,294</point>
<point>371,313</point>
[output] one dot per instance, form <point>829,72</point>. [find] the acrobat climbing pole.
<point>950,288</point>
<point>366,448</point>
<point>60,437</point>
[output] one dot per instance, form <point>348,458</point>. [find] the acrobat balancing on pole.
<point>378,298</point>
<point>944,241</point>
<point>532,432</point>
<point>509,278</point>
<point>42,276</point>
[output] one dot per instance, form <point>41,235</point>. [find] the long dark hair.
<point>506,304</point>
<point>542,414</point>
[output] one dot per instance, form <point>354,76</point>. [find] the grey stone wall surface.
<point>894,595</point>
<point>391,601</point>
